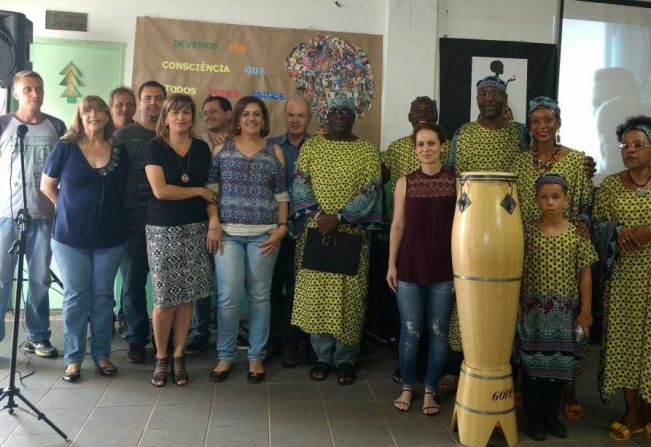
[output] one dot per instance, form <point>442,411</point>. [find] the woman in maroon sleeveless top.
<point>420,264</point>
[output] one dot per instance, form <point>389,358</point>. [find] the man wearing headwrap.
<point>492,142</point>
<point>336,191</point>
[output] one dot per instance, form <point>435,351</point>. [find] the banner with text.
<point>202,58</point>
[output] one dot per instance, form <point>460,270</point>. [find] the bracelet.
<point>280,224</point>
<point>318,214</point>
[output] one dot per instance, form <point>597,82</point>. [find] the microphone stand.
<point>23,219</point>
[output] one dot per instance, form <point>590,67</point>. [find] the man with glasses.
<point>134,268</point>
<point>336,197</point>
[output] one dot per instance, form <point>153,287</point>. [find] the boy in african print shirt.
<point>556,301</point>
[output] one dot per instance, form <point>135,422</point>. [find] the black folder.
<point>341,258</point>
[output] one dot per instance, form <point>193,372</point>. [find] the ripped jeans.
<point>424,304</point>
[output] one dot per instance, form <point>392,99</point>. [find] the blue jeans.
<point>38,256</point>
<point>134,269</point>
<point>418,304</point>
<point>331,351</point>
<point>242,267</point>
<point>88,277</point>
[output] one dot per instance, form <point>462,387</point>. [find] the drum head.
<point>488,176</point>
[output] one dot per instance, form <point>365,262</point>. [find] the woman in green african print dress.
<point>336,189</point>
<point>622,214</point>
<point>547,156</point>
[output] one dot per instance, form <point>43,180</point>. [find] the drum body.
<point>487,257</point>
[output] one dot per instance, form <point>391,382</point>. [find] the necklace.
<point>640,191</point>
<point>185,178</point>
<point>546,165</point>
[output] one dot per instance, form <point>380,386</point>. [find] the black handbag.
<point>341,257</point>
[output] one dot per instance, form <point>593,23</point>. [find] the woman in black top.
<point>177,230</point>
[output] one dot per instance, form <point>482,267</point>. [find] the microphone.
<point>22,131</point>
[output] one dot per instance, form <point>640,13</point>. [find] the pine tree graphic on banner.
<point>71,75</point>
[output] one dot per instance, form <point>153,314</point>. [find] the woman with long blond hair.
<point>84,176</point>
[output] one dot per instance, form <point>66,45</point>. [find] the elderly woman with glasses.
<point>623,213</point>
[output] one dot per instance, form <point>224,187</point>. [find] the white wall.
<point>411,29</point>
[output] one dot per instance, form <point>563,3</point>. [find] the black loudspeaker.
<point>16,33</point>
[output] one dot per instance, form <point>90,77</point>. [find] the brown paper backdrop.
<point>217,45</point>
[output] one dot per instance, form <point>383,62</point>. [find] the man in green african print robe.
<point>336,190</point>
<point>400,157</point>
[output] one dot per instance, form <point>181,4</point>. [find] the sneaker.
<point>136,353</point>
<point>196,345</point>
<point>41,348</point>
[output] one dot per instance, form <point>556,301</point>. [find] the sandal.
<point>402,402</point>
<point>320,371</point>
<point>159,377</point>
<point>436,407</point>
<point>346,374</point>
<point>620,432</point>
<point>179,372</point>
<point>647,429</point>
<point>517,397</point>
<point>573,412</point>
<point>448,383</point>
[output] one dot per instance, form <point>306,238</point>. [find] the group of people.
<point>285,223</point>
<point>567,236</point>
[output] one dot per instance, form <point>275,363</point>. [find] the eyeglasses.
<point>635,147</point>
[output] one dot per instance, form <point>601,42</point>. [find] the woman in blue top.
<point>84,176</point>
<point>245,231</point>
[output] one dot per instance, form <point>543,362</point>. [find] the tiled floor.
<point>286,410</point>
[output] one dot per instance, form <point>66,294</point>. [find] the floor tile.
<point>240,393</point>
<point>116,418</point>
<point>353,435</point>
<point>430,432</point>
<point>300,434</point>
<point>49,440</point>
<point>121,394</point>
<point>64,398</point>
<point>189,394</point>
<point>241,413</point>
<point>69,421</point>
<point>347,412</point>
<point>179,416</point>
<point>304,392</point>
<point>8,422</point>
<point>186,437</point>
<point>257,436</point>
<point>387,391</point>
<point>114,438</point>
<point>290,412</point>
<point>333,392</point>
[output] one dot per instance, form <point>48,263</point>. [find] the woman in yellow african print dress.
<point>336,190</point>
<point>623,213</point>
<point>548,156</point>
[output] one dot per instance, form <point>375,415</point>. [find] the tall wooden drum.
<point>487,257</point>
